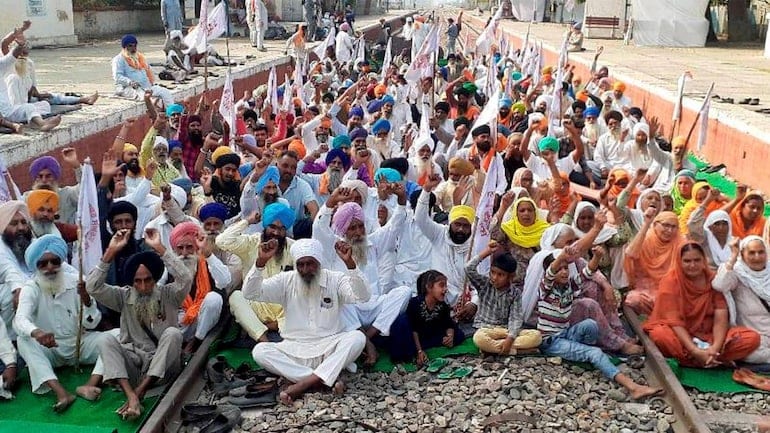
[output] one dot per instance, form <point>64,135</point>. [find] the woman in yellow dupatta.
<point>523,232</point>
<point>699,193</point>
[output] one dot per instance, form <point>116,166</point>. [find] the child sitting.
<point>426,323</point>
<point>575,342</point>
<point>499,317</point>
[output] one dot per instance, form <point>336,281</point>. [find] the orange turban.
<point>38,198</point>
<point>297,102</point>
<point>547,78</point>
<point>619,86</point>
<point>582,96</point>
<point>298,147</point>
<point>380,90</point>
<point>548,70</point>
<point>678,141</point>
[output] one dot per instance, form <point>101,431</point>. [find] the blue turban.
<point>245,169</point>
<point>280,212</point>
<point>347,83</point>
<point>516,76</point>
<point>357,111</point>
<point>506,102</point>
<point>184,183</point>
<point>380,125</point>
<point>174,109</point>
<point>280,91</point>
<point>45,244</point>
<point>270,174</point>
<point>338,153</point>
<point>358,133</point>
<point>387,99</point>
<point>127,40</point>
<point>213,210</point>
<point>591,111</point>
<point>173,144</point>
<point>374,106</point>
<point>389,174</point>
<point>45,162</point>
<point>341,141</point>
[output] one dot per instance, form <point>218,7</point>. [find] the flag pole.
<point>79,335</point>
<point>697,116</point>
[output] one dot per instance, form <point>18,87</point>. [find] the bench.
<point>612,23</point>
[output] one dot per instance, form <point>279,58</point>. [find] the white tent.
<point>670,23</point>
<point>528,10</point>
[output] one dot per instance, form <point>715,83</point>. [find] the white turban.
<point>641,127</point>
<point>544,98</point>
<point>175,34</point>
<point>179,195</point>
<point>534,117</point>
<point>424,140</point>
<point>307,248</point>
<point>359,186</point>
<point>160,141</point>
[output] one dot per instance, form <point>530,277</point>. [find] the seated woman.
<point>426,323</point>
<point>520,234</point>
<point>574,342</point>
<point>690,319</point>
<point>594,297</point>
<point>747,213</point>
<point>745,281</point>
<point>681,192</point>
<point>702,198</point>
<point>648,258</point>
<point>714,234</point>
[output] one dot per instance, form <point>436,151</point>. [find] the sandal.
<point>457,373</point>
<point>744,101</point>
<point>436,365</point>
<point>754,101</point>
<point>635,361</point>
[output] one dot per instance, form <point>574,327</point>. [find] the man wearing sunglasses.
<point>47,319</point>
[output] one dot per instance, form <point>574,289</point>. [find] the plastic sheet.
<point>670,23</point>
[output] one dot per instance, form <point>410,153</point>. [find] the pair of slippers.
<point>754,380</point>
<point>749,101</point>
<point>438,364</point>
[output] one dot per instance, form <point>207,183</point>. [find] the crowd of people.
<point>346,221</point>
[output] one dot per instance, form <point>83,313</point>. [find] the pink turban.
<point>9,209</point>
<point>183,230</point>
<point>344,215</point>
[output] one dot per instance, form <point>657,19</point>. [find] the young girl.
<point>426,323</point>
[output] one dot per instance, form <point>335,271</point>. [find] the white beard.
<point>50,284</point>
<point>191,262</point>
<point>41,228</point>
<point>360,250</point>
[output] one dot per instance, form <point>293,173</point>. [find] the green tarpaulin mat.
<point>723,184</point>
<point>32,413</point>
<point>708,379</point>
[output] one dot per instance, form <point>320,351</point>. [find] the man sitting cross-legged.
<point>47,319</point>
<point>148,350</point>
<point>315,346</point>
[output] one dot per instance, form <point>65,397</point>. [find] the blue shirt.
<point>298,194</point>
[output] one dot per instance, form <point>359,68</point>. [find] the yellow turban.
<point>619,86</point>
<point>461,166</point>
<point>219,151</point>
<point>128,147</point>
<point>462,211</point>
<point>547,70</point>
<point>42,197</point>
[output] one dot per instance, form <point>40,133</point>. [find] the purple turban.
<point>45,162</point>
<point>213,210</point>
<point>344,215</point>
<point>357,111</point>
<point>358,133</point>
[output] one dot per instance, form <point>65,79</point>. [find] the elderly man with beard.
<point>14,222</point>
<point>213,216</point>
<point>44,205</point>
<point>316,345</point>
<point>381,142</point>
<point>148,349</point>
<point>450,245</point>
<point>224,186</point>
<point>337,166</point>
<point>608,153</point>
<point>375,254</point>
<point>202,306</point>
<point>47,319</point>
<point>46,173</point>
<point>257,318</point>
<point>643,151</point>
<point>133,76</point>
<point>421,165</point>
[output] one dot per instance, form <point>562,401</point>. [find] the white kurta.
<point>343,48</point>
<point>13,275</point>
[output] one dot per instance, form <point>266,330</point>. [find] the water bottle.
<point>700,343</point>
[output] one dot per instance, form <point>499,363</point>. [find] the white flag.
<point>422,64</point>
<point>7,192</point>
<point>487,116</point>
<point>215,24</point>
<point>287,96</point>
<point>299,85</point>
<point>320,50</point>
<point>88,221</point>
<point>227,103</point>
<point>360,50</point>
<point>485,210</point>
<point>272,90</point>
<point>387,59</point>
<point>678,104</point>
<point>704,119</point>
<point>555,110</point>
<point>487,36</point>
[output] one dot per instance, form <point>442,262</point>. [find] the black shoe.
<point>714,168</point>
<point>218,370</point>
<point>198,413</point>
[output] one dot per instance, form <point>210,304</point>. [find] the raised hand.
<point>70,156</point>
<point>152,239</point>
<point>119,240</point>
<point>340,195</point>
<point>654,124</point>
<point>600,219</point>
<point>267,251</point>
<point>507,200</point>
<point>345,253</point>
<point>649,214</point>
<point>431,183</point>
<point>150,168</point>
<point>205,247</point>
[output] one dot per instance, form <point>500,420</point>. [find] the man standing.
<point>47,319</point>
<point>148,350</point>
<point>452,32</point>
<point>133,76</point>
<point>203,305</point>
<point>309,12</point>
<point>256,18</point>
<point>315,346</point>
<point>344,44</point>
<point>171,15</point>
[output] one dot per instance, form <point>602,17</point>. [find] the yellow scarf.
<point>139,63</point>
<point>524,236</point>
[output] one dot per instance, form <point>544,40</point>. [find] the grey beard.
<point>49,284</point>
<point>41,228</point>
<point>310,285</point>
<point>360,248</point>
<point>191,262</point>
<point>147,308</point>
<point>335,180</point>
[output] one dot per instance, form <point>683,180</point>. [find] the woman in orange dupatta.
<point>690,320</point>
<point>649,256</point>
<point>617,181</point>
<point>747,213</point>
